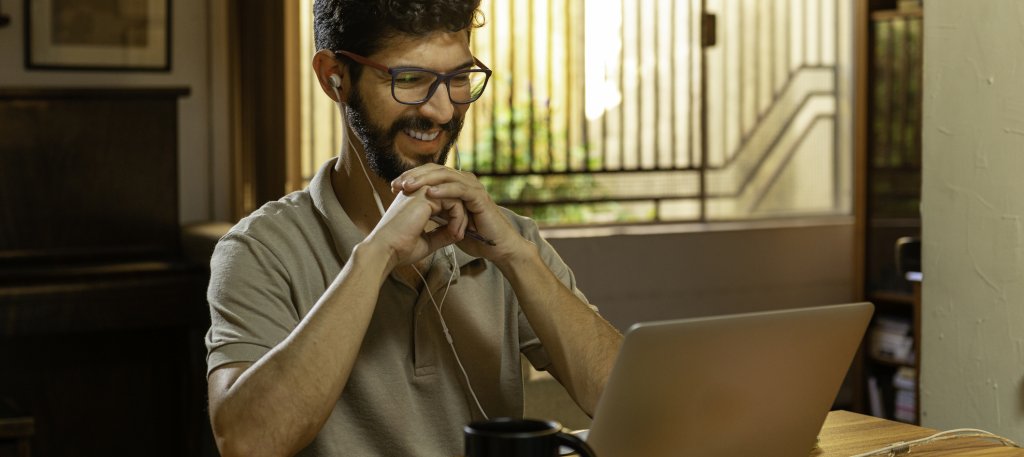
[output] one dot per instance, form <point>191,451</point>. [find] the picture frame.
<point>112,35</point>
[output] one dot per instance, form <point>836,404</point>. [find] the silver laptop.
<point>757,384</point>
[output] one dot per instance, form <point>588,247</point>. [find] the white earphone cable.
<point>449,250</point>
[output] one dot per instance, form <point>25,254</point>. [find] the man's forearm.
<point>278,405</point>
<point>581,344</point>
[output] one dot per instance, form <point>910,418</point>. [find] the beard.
<point>379,142</point>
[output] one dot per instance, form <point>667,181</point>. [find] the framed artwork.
<point>119,35</point>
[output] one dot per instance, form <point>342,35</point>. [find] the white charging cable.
<point>449,250</point>
<point>903,448</point>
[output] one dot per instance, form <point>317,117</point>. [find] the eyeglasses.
<point>414,85</point>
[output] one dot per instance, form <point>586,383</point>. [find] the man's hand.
<point>401,231</point>
<point>481,214</point>
<point>580,344</point>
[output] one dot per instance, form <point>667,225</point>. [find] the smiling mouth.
<point>422,136</point>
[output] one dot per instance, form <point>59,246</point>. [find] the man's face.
<point>399,137</point>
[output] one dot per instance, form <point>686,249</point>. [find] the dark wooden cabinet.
<point>87,173</point>
<point>101,317</point>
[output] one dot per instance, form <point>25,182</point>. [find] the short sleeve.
<point>251,308</point>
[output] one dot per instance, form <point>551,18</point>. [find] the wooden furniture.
<point>101,317</point>
<point>845,434</point>
<point>889,181</point>
<point>15,436</point>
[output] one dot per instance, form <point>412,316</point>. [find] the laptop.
<point>757,384</point>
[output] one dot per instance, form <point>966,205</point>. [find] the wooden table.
<point>845,434</point>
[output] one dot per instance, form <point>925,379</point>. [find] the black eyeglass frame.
<point>446,78</point>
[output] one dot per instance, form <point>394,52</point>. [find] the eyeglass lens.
<point>413,86</point>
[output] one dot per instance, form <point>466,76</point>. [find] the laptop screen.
<point>744,384</point>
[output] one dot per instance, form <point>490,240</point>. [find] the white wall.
<point>200,149</point>
<point>972,210</point>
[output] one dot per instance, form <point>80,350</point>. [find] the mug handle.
<point>576,444</point>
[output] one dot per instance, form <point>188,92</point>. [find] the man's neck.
<point>352,189</point>
<point>356,197</point>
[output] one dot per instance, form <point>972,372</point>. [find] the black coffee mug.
<point>508,437</point>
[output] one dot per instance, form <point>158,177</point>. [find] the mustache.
<point>421,123</point>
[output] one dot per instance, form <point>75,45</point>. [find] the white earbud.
<point>335,81</point>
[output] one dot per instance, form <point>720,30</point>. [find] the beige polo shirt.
<point>405,395</point>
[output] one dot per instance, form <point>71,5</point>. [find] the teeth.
<point>423,136</point>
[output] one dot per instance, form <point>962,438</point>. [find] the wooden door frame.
<point>263,75</point>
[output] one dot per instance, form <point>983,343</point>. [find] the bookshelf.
<point>892,208</point>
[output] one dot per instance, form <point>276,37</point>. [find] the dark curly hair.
<point>362,26</point>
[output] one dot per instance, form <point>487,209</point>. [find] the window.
<point>613,111</point>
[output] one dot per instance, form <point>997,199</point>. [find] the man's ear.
<point>331,74</point>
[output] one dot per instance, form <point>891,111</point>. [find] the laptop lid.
<point>745,384</point>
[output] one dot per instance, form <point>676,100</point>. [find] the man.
<point>339,328</point>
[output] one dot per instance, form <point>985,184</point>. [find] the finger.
<point>420,195</point>
<point>457,218</point>
<point>465,191</point>
<point>434,175</point>
<point>465,220</point>
<point>473,195</point>
<point>411,180</point>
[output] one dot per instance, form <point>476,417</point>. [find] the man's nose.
<point>439,107</point>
